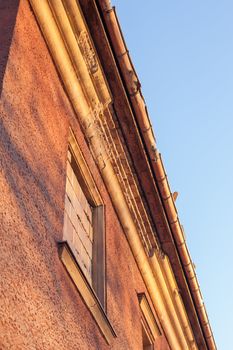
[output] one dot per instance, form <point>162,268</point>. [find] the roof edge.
<point>134,92</point>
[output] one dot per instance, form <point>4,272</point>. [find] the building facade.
<point>93,255</point>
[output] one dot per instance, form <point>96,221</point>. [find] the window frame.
<point>146,333</point>
<point>93,295</point>
<point>148,321</point>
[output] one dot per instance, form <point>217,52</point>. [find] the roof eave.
<point>175,231</point>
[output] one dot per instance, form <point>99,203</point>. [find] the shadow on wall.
<point>8,14</point>
<point>21,178</point>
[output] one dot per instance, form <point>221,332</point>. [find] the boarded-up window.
<point>82,249</point>
<point>78,226</point>
<point>84,227</point>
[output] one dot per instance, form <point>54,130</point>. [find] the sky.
<point>183,54</point>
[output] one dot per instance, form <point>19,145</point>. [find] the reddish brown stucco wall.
<point>39,306</point>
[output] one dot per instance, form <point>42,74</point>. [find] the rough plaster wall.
<point>39,306</point>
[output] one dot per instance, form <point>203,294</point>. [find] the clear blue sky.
<point>183,53</point>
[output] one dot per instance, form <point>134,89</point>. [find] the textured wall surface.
<point>39,306</point>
